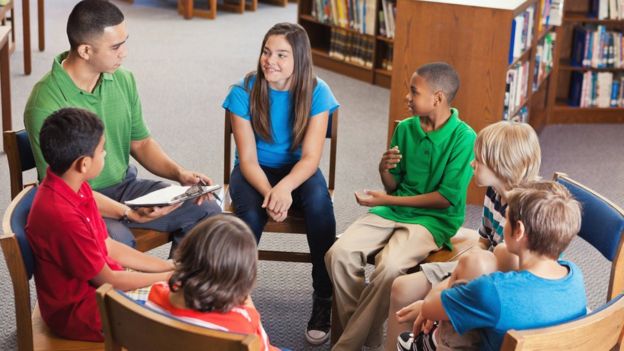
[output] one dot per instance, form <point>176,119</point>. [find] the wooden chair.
<point>20,158</point>
<point>131,326</point>
<point>295,223</point>
<point>599,330</point>
<point>32,332</point>
<point>602,226</point>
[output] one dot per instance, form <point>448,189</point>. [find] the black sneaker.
<point>317,332</point>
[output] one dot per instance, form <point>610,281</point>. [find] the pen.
<point>202,183</point>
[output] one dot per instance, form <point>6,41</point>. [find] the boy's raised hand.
<point>390,159</point>
<point>410,312</point>
<point>371,198</point>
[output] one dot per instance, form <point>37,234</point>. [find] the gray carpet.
<point>184,69</point>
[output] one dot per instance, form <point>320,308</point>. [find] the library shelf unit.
<point>320,36</point>
<point>474,37</point>
<point>576,13</point>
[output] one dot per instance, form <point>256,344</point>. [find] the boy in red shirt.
<point>73,253</point>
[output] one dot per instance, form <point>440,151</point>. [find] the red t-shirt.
<point>240,319</point>
<point>67,236</point>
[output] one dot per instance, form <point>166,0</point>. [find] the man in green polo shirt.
<point>90,76</point>
<point>425,175</point>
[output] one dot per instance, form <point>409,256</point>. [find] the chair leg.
<point>41,24</point>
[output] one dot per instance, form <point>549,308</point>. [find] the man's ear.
<point>84,51</point>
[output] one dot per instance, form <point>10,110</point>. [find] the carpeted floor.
<point>184,69</point>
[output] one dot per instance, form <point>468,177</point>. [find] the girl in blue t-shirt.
<point>280,116</point>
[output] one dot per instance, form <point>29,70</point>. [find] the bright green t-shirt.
<point>434,161</point>
<point>115,100</point>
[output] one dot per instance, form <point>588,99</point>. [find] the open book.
<point>171,195</point>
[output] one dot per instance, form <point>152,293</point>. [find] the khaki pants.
<point>362,308</point>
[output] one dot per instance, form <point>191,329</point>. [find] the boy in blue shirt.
<point>542,219</point>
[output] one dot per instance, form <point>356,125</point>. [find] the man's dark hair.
<point>67,135</point>
<point>441,77</point>
<point>89,18</point>
<point>215,265</point>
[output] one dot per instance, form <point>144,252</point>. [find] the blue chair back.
<point>603,224</point>
<point>25,151</point>
<point>18,226</point>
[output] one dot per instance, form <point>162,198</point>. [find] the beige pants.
<point>362,308</point>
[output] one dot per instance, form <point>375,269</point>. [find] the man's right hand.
<point>390,159</point>
<point>147,214</point>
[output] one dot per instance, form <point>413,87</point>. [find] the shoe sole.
<point>316,342</point>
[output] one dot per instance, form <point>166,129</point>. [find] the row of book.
<point>358,15</point>
<point>551,13</point>
<point>521,33</point>
<point>594,46</point>
<point>543,59</point>
<point>351,47</point>
<point>607,9</point>
<point>387,18</point>
<point>596,89</point>
<point>516,88</point>
<point>521,116</point>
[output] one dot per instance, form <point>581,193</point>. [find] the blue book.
<point>578,46</point>
<point>594,8</point>
<point>615,92</point>
<point>576,87</point>
<point>512,41</point>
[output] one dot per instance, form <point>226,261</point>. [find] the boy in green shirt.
<point>90,76</point>
<point>425,174</point>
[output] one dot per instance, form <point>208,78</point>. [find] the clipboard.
<point>172,195</point>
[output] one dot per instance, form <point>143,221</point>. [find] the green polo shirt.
<point>115,100</point>
<point>434,161</point>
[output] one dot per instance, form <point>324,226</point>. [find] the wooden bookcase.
<point>474,37</point>
<point>320,35</point>
<point>576,12</point>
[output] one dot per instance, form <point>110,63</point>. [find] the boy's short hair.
<point>550,214</point>
<point>67,135</point>
<point>89,18</point>
<point>215,265</point>
<point>441,77</point>
<point>511,150</point>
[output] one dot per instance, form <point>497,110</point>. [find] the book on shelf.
<point>351,47</point>
<point>543,59</point>
<point>386,58</point>
<point>516,88</point>
<point>607,9</point>
<point>521,33</point>
<point>596,89</point>
<point>596,47</point>
<point>387,18</point>
<point>551,13</point>
<point>357,15</point>
<point>521,116</point>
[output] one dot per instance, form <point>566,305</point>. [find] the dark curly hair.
<point>216,264</point>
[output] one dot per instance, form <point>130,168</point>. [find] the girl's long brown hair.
<point>302,85</point>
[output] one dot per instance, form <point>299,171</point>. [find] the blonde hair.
<point>511,150</point>
<point>550,215</point>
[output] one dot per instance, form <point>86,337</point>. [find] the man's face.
<point>109,49</point>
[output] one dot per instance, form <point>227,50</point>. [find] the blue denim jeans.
<point>311,198</point>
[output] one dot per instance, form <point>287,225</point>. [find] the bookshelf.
<point>474,37</point>
<point>577,13</point>
<point>368,42</point>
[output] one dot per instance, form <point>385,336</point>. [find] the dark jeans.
<point>311,197</point>
<point>178,222</point>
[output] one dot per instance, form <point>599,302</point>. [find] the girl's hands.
<point>277,202</point>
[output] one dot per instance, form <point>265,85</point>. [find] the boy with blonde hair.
<point>425,174</point>
<point>542,218</point>
<point>506,154</point>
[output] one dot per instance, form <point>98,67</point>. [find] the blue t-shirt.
<point>277,154</point>
<point>517,300</point>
